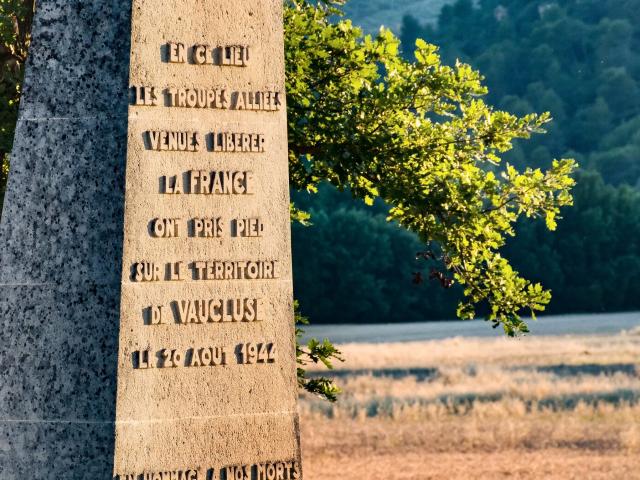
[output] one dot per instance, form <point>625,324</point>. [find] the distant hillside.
<point>370,14</point>
<point>578,59</point>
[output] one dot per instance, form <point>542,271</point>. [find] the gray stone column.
<point>61,246</point>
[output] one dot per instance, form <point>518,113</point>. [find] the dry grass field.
<point>533,408</point>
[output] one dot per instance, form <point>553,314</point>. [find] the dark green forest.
<point>578,59</point>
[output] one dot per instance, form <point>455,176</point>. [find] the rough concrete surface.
<point>211,417</point>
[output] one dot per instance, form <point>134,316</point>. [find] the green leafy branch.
<point>418,136</point>
<point>315,352</point>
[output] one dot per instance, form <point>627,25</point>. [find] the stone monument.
<point>146,299</point>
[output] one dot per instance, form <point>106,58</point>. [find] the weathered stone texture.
<point>201,418</point>
<point>83,191</point>
<point>61,246</point>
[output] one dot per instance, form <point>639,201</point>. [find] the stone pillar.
<point>61,246</point>
<point>145,247</point>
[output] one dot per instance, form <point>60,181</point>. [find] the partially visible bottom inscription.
<point>261,471</point>
<point>174,475</point>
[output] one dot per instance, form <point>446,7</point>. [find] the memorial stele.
<point>146,300</point>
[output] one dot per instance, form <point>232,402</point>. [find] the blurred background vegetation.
<point>370,14</point>
<point>577,59</point>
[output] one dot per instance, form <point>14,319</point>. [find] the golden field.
<point>530,408</point>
